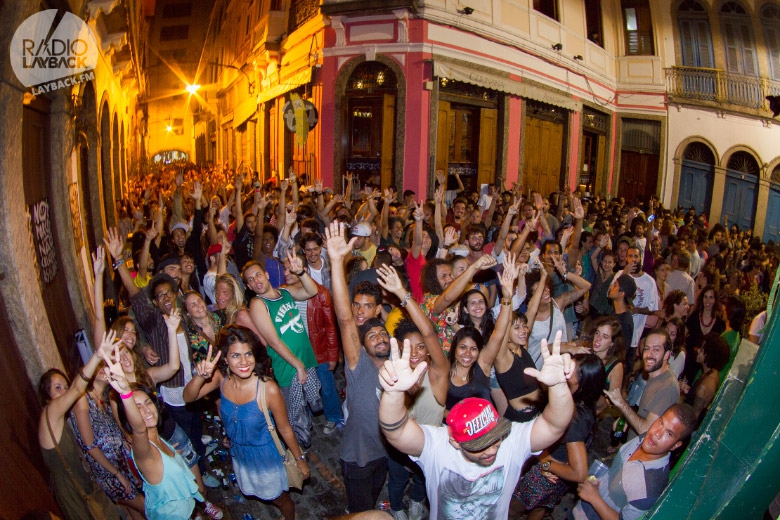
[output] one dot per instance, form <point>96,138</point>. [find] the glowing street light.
<point>192,88</point>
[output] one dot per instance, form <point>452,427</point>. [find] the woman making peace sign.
<point>256,461</point>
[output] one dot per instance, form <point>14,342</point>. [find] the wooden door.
<point>486,161</point>
<point>696,186</point>
<point>543,155</point>
<point>388,141</point>
<point>598,170</point>
<point>739,198</point>
<point>24,477</point>
<point>772,223</point>
<point>638,175</point>
<point>443,138</point>
<point>38,199</point>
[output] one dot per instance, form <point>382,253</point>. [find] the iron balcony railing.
<point>718,86</point>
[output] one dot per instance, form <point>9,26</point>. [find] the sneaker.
<point>331,427</point>
<point>210,481</point>
<point>213,511</point>
<point>417,510</point>
<point>399,515</point>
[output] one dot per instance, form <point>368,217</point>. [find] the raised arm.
<point>530,225</point>
<point>504,231</point>
<point>579,216</point>
<point>417,237</point>
<point>338,249</point>
<point>639,425</point>
<point>459,284</point>
<point>115,245</point>
<point>488,354</point>
<point>168,370</point>
<point>396,377</point>
<point>438,197</point>
<point>581,285</point>
<point>557,368</point>
<point>99,266</point>
<point>239,206</point>
<point>281,209</point>
<point>205,380</point>
<point>257,250</point>
<point>536,298</point>
<point>439,366</point>
<point>308,287</point>
<point>383,220</point>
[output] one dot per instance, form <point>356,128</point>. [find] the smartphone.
<point>651,218</point>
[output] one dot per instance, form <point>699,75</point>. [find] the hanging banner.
<point>39,219</point>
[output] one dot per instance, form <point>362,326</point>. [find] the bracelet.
<point>128,395</point>
<point>118,263</point>
<point>300,273</point>
<point>302,457</point>
<point>83,377</point>
<point>405,299</point>
<point>506,302</point>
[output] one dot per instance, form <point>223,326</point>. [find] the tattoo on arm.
<point>396,425</point>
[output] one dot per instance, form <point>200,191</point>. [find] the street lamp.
<point>193,88</point>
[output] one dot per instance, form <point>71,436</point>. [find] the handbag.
<point>96,509</point>
<point>294,474</point>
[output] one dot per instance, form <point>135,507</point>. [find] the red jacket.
<point>322,326</point>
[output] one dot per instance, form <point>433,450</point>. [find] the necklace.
<point>706,325</point>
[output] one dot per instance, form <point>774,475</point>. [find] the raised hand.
<point>179,179</point>
<point>440,177</point>
<point>557,368</point>
<point>173,319</point>
<point>296,266</point>
<point>108,344</point>
<point>418,212</point>
<point>99,261</point>
<point>152,233</point>
<point>114,243</point>
<point>579,212</point>
<point>290,218</point>
<point>396,375</point>
<point>336,244</point>
<point>284,184</point>
<point>533,223</point>
<point>438,195</point>
<point>205,368</point>
<point>389,280</point>
<point>389,196</point>
<point>514,209</point>
<point>560,265</point>
<point>485,262</point>
<point>114,372</point>
<point>318,186</point>
<point>197,191</point>
<point>450,236</point>
<point>538,202</point>
<point>509,275</point>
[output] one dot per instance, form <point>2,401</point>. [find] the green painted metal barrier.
<point>731,470</point>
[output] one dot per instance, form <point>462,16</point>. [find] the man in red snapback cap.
<point>471,466</point>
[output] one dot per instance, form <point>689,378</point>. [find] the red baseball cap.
<point>214,249</point>
<point>475,424</point>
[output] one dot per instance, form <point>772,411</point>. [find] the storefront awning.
<point>495,81</point>
<point>287,84</point>
<point>244,111</point>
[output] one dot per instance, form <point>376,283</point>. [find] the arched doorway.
<point>739,194</point>
<point>369,132</point>
<point>105,165</point>
<point>772,223</point>
<point>696,177</point>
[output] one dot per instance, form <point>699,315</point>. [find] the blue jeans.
<point>331,404</point>
<point>399,468</point>
<point>188,418</point>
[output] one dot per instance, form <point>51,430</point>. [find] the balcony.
<point>365,7</point>
<point>715,87</point>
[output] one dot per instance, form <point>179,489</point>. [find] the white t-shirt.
<point>462,490</point>
<point>646,296</point>
<point>175,396</point>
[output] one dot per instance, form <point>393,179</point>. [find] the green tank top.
<point>290,328</point>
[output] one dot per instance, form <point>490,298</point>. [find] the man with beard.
<point>472,464</point>
<point>277,318</point>
<point>661,390</point>
<point>366,347</point>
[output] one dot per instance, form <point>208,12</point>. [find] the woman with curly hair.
<point>245,385</point>
<point>675,305</point>
<point>676,329</point>
<point>705,318</point>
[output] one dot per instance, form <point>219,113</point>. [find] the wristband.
<point>128,395</point>
<point>302,457</point>
<point>506,302</point>
<point>83,377</point>
<point>406,299</point>
<point>300,273</point>
<point>118,263</point>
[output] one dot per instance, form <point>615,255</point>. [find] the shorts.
<point>183,445</point>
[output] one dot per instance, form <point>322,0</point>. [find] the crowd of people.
<point>476,332</point>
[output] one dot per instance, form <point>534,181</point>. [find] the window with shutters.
<point>638,27</point>
<point>770,19</point>
<point>738,39</point>
<point>695,36</point>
